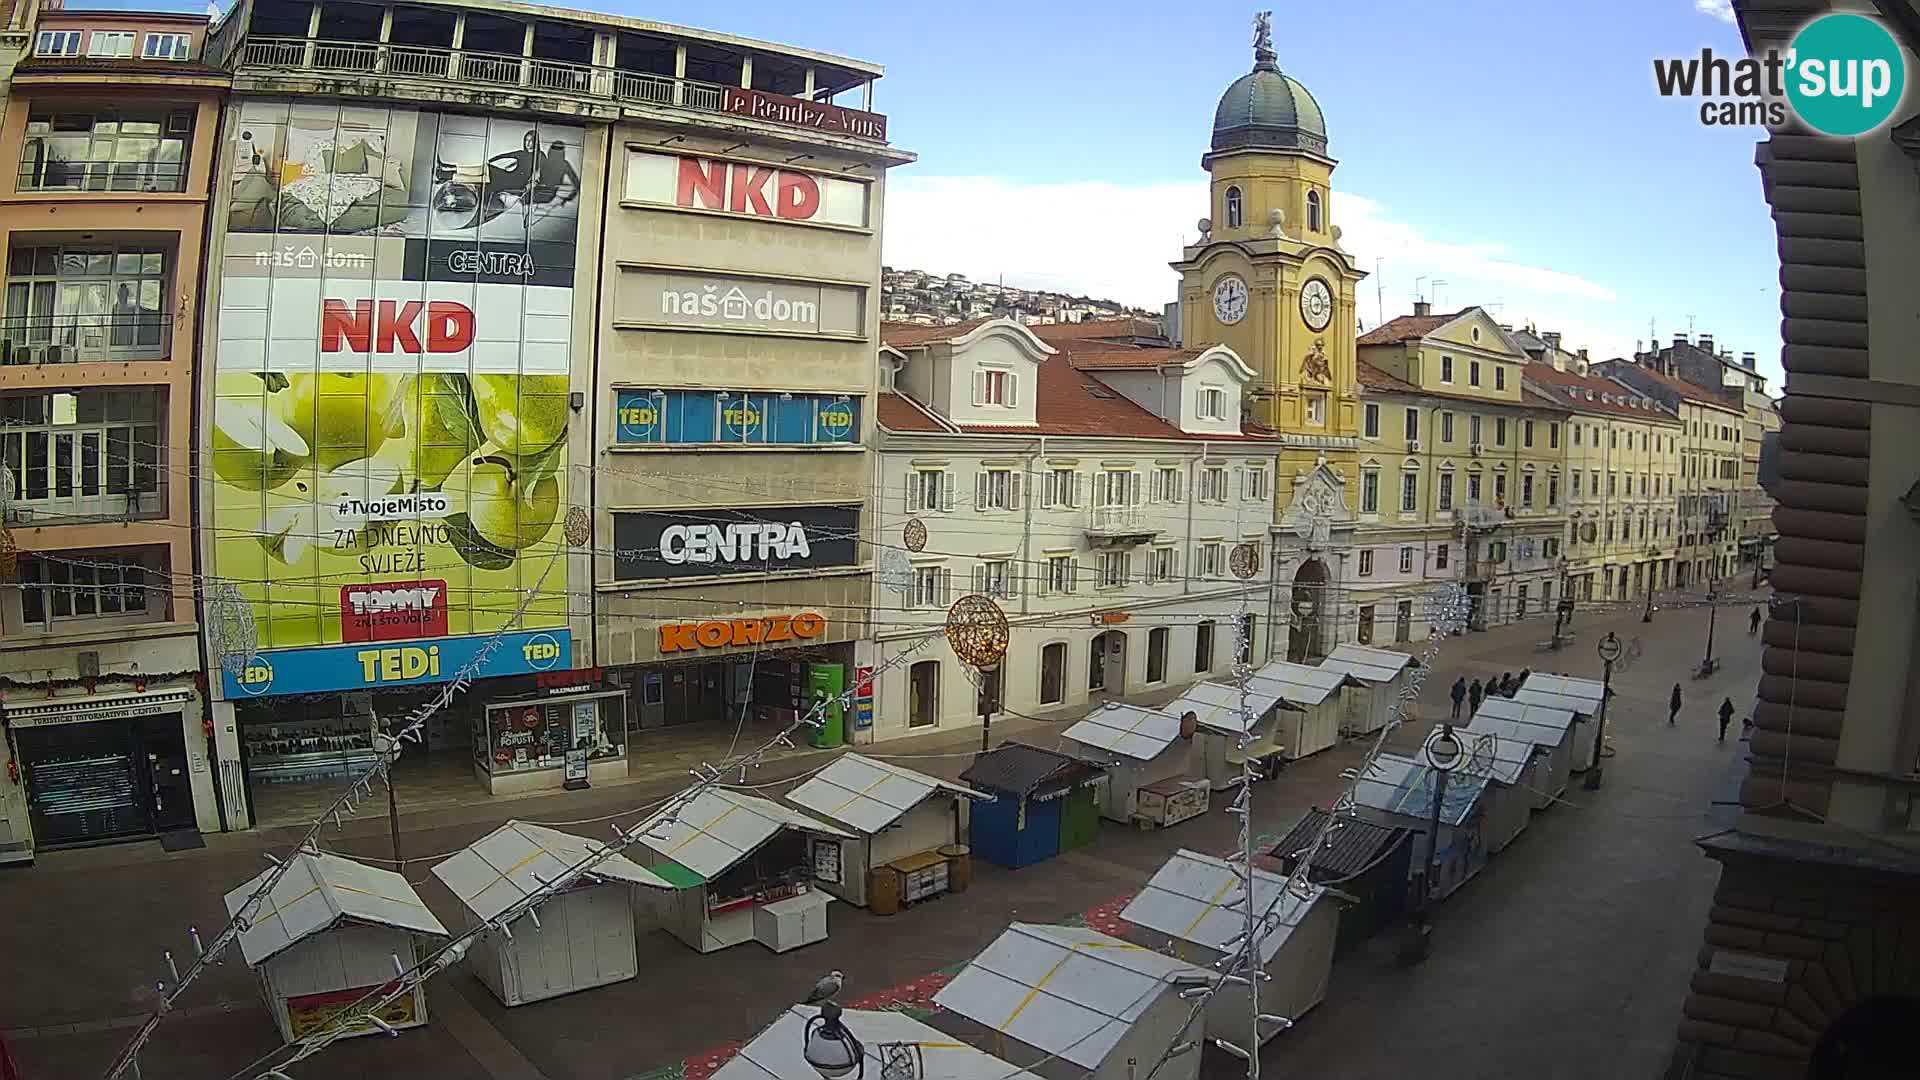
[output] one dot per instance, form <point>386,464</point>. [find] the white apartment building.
<point>1097,491</point>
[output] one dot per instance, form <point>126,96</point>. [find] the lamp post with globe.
<point>1442,752</point>
<point>833,1051</point>
<point>1609,650</point>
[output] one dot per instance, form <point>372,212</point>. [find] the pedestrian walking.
<point>1459,695</point>
<point>1474,694</point>
<point>1746,728</point>
<point>1673,705</point>
<point>1753,623</point>
<point>1503,687</point>
<point>1726,717</point>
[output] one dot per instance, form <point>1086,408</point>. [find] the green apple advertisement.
<point>388,439</point>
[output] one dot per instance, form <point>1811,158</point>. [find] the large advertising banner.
<point>391,391</point>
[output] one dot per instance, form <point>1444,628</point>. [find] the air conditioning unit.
<point>1413,446</point>
<point>1476,448</point>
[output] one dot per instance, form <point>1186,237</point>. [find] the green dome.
<point>1265,109</point>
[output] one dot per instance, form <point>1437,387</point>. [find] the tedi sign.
<point>1843,75</point>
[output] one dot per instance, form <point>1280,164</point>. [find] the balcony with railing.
<point>72,339</point>
<point>148,177</point>
<point>1121,524</point>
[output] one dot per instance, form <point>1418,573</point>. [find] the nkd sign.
<point>746,188</point>
<point>731,540</point>
<point>705,301</point>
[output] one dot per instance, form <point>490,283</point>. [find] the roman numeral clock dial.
<point>1316,304</point>
<point>1230,299</point>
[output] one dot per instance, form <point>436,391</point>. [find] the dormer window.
<point>57,43</point>
<point>165,47</point>
<point>1233,208</point>
<point>1213,403</point>
<point>111,44</point>
<point>1313,211</point>
<point>996,387</point>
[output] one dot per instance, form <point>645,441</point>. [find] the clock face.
<point>1316,304</point>
<point>1230,299</point>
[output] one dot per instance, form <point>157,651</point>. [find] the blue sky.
<point>1513,148</point>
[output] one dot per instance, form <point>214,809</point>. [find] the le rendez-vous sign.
<point>799,112</point>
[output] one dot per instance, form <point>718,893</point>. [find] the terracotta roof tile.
<point>1108,359</point>
<point>1561,386</point>
<point>1376,379</point>
<point>1680,387</point>
<point>907,335</point>
<point>1098,329</point>
<point>897,413</point>
<point>1405,328</point>
<point>1372,378</point>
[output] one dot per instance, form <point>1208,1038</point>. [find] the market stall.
<point>1198,902</point>
<point>1548,728</point>
<point>1368,863</point>
<point>1043,803</point>
<point>888,1037</point>
<point>1106,1008</point>
<point>1382,676</point>
<point>1216,710</point>
<point>1514,771</point>
<point>330,933</point>
<point>1398,793</point>
<point>908,831</point>
<point>742,869</point>
<point>1313,724</point>
<point>579,939</point>
<point>1146,754</point>
<point>1581,697</point>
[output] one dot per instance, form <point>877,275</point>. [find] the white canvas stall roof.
<point>778,1053</point>
<point>1514,719</point>
<point>1496,757</point>
<point>1300,684</point>
<point>320,889</point>
<point>868,795</point>
<point>1141,734</point>
<point>1587,691</point>
<point>1403,786</point>
<point>1197,898</point>
<point>1066,991</point>
<point>721,827</point>
<point>1216,706</point>
<point>1367,664</point>
<point>517,859</point>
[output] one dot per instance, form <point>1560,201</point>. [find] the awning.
<point>97,707</point>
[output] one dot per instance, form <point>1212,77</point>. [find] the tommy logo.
<point>385,326</point>
<point>393,611</point>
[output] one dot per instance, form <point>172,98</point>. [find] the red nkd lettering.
<point>797,196</point>
<point>388,326</point>
<point>702,184</point>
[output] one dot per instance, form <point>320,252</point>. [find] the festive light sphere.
<point>977,631</point>
<point>1244,561</point>
<point>579,526</point>
<point>231,627</point>
<point>914,535</point>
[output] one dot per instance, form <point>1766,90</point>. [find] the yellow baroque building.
<point>1269,279</point>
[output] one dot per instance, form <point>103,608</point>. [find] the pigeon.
<point>825,989</point>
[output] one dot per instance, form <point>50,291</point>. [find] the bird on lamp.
<point>826,989</point>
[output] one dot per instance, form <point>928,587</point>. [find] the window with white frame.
<point>85,452</point>
<point>1060,574</point>
<point>1499,377</point>
<point>1500,488</point>
<point>1526,489</point>
<point>997,489</point>
<point>1117,488</point>
<point>1316,408</point>
<point>84,585</point>
<point>1409,492</point>
<point>1440,554</point>
<point>1213,403</point>
<point>1413,424</point>
<point>1162,565</point>
<point>1060,488</point>
<point>1473,373</point>
<point>1526,433</point>
<point>994,577</point>
<point>111,44</point>
<point>1446,369</point>
<point>1253,483</point>
<point>104,149</point>
<point>1473,486</point>
<point>1550,547</point>
<point>1576,434</point>
<point>57,43</point>
<point>1366,562</point>
<point>1446,491</point>
<point>1553,491</point>
<point>166,47</point>
<point>996,386</point>
<point>1370,420</point>
<point>929,489</point>
<point>1499,431</point>
<point>1115,568</point>
<point>1473,430</point>
<point>1406,560</point>
<point>92,302</point>
<point>1213,484</point>
<point>1446,427</point>
<point>1166,486</point>
<point>1369,491</point>
<point>932,587</point>
<point>1213,559</point>
<point>1576,479</point>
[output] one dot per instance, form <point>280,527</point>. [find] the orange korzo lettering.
<point>677,636</point>
<point>779,628</point>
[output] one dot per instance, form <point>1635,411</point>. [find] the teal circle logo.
<point>541,652</point>
<point>256,677</point>
<point>1845,74</point>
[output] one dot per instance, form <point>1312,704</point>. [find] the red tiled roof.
<point>1374,379</point>
<point>1110,359</point>
<point>1561,385</point>
<point>1405,328</point>
<point>897,413</point>
<point>907,335</point>
<point>1681,387</point>
<point>1096,329</point>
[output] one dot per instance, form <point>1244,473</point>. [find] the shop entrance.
<point>106,780</point>
<point>1107,663</point>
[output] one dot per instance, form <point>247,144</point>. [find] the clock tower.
<point>1268,277</point>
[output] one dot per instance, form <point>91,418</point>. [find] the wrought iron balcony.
<point>1119,525</point>
<point>54,174</point>
<point>69,339</point>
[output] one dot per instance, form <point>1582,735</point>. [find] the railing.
<point>426,62</point>
<point>68,339</point>
<point>53,174</point>
<point>1116,519</point>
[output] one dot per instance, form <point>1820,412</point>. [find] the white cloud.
<point>1717,9</point>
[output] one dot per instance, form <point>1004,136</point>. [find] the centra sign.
<point>762,542</point>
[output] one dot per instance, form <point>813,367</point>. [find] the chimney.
<point>1552,338</point>
<point>1746,360</point>
<point>1706,344</point>
<point>1679,340</point>
<point>1583,356</point>
<point>1421,307</point>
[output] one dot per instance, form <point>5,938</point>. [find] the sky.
<point>1514,150</point>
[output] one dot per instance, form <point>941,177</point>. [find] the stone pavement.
<point>1568,957</point>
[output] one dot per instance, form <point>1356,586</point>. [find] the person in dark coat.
<point>1502,687</point>
<point>1459,695</point>
<point>1726,717</point>
<point>1474,694</point>
<point>1673,705</point>
<point>1753,623</point>
<point>1521,679</point>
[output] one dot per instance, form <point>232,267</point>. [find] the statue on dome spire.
<point>1263,54</point>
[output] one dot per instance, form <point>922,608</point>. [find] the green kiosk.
<point>827,681</point>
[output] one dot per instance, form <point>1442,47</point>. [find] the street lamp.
<point>1716,522</point>
<point>1442,752</point>
<point>1563,612</point>
<point>1609,650</point>
<point>1652,550</point>
<point>830,1048</point>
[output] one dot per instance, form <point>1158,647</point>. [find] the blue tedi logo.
<point>257,677</point>
<point>541,652</point>
<point>1843,75</point>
